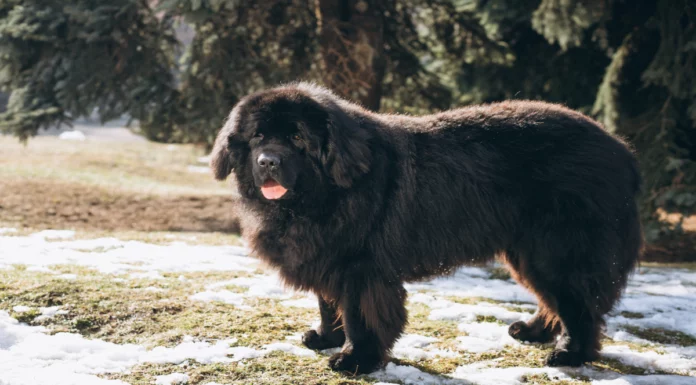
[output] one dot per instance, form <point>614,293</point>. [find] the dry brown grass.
<point>52,183</point>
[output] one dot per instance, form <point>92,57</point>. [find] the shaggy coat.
<point>350,204</point>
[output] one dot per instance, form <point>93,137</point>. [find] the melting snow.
<point>485,336</point>
<point>117,257</point>
<point>28,355</point>
<point>666,298</point>
<point>172,379</point>
<point>73,135</point>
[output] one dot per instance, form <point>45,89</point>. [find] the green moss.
<point>488,318</point>
<point>500,273</point>
<point>543,378</point>
<point>26,316</point>
<point>633,315</point>
<point>662,336</point>
<point>445,331</point>
<point>620,367</point>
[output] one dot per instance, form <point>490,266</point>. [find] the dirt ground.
<point>111,186</point>
<point>51,205</point>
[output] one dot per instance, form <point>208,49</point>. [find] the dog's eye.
<point>296,137</point>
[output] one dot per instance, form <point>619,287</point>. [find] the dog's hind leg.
<point>374,316</point>
<point>545,325</point>
<point>582,326</point>
<point>330,332</point>
<point>581,269</point>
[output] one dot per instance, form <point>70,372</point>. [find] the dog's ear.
<point>347,155</point>
<point>221,158</point>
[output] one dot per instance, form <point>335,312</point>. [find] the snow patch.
<point>224,296</point>
<point>651,361</point>
<point>50,312</point>
<point>409,375</point>
<point>72,135</point>
<point>198,169</point>
<point>305,303</point>
<point>54,234</point>
<point>172,379</point>
<point>484,336</point>
<point>481,373</point>
<point>30,356</point>
<point>416,347</point>
<point>146,275</point>
<point>119,257</point>
<point>467,313</point>
<point>68,277</point>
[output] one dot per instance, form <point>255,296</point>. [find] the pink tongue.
<point>273,190</point>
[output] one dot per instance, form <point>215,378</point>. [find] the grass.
<point>123,312</point>
<point>103,186</point>
<point>632,315</point>
<point>137,167</point>
<point>662,336</point>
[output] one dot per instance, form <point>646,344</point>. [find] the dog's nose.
<point>269,161</point>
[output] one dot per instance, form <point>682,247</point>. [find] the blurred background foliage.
<point>629,63</point>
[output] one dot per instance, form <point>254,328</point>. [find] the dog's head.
<point>290,143</point>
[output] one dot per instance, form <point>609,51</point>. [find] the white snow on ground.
<point>668,362</point>
<point>172,379</point>
<point>416,347</point>
<point>474,282</point>
<point>50,312</point>
<point>28,355</point>
<point>306,302</point>
<point>484,336</point>
<point>446,310</point>
<point>486,373</point>
<point>224,296</point>
<point>199,169</point>
<point>268,286</point>
<point>665,297</point>
<point>44,312</point>
<point>408,375</point>
<point>54,234</point>
<point>72,135</point>
<point>204,159</point>
<point>118,257</point>
<point>69,277</point>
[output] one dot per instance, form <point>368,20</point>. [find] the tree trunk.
<point>351,36</point>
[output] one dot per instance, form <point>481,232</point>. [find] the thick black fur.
<point>376,200</point>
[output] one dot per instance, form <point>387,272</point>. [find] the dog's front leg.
<point>330,332</point>
<point>374,316</point>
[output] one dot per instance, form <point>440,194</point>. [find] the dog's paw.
<point>562,357</point>
<point>522,332</point>
<point>316,341</point>
<point>519,330</point>
<point>353,363</point>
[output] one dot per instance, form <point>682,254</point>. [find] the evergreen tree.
<point>630,64</point>
<point>374,52</point>
<point>62,60</point>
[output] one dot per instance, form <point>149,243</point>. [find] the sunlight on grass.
<point>141,167</point>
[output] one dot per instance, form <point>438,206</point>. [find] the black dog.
<point>350,204</point>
